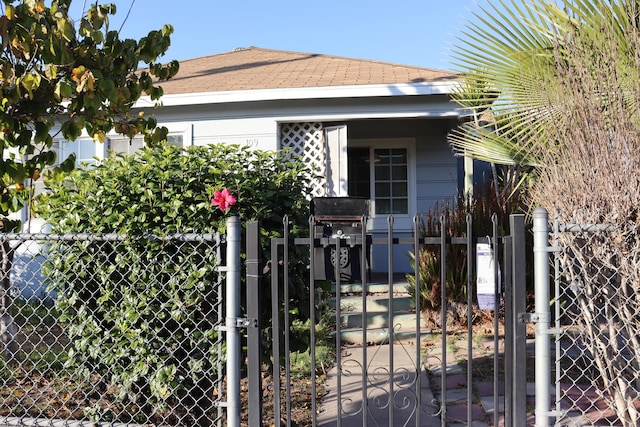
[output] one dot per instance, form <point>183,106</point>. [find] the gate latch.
<point>245,322</point>
<point>533,317</point>
<point>239,323</point>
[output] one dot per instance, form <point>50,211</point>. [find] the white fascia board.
<point>353,91</point>
<point>440,113</point>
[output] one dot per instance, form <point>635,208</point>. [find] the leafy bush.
<point>140,309</point>
<point>324,346</point>
<point>166,190</point>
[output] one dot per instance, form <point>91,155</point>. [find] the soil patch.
<point>299,399</point>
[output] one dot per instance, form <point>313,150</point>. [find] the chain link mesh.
<point>597,307</point>
<point>110,329</point>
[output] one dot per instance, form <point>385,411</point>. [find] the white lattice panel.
<point>306,141</point>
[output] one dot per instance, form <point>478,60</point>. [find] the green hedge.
<point>139,311</point>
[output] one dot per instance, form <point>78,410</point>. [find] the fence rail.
<point>130,331</point>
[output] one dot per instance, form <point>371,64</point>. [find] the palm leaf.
<point>487,145</point>
<point>510,59</point>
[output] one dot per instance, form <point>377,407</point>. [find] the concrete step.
<point>372,288</point>
<point>376,319</point>
<point>375,304</point>
<point>378,336</point>
<point>373,320</point>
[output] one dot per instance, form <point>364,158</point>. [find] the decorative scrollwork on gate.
<point>347,403</point>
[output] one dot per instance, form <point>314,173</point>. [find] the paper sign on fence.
<point>486,277</point>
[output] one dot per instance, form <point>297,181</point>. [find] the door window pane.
<point>399,189</point>
<point>383,189</point>
<point>359,172</point>
<point>391,183</point>
<point>399,172</point>
<point>400,206</point>
<point>387,167</point>
<point>383,206</point>
<point>383,172</point>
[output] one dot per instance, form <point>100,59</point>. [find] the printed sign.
<point>486,277</point>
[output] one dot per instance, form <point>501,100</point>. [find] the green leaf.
<point>42,131</point>
<point>66,28</point>
<point>70,130</point>
<point>31,82</point>
<point>68,164</point>
<point>63,90</point>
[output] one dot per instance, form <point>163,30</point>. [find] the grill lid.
<point>340,208</point>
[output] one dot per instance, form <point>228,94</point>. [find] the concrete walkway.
<point>377,410</point>
<point>582,403</point>
<point>388,384</point>
<point>379,388</point>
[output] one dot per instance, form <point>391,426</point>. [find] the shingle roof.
<point>257,68</point>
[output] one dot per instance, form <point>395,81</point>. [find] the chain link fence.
<point>111,329</point>
<point>597,315</point>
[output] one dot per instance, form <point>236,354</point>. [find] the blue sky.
<point>409,32</point>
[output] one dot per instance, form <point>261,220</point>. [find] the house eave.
<point>326,92</point>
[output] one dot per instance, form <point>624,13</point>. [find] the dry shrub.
<point>480,212</point>
<point>592,176</point>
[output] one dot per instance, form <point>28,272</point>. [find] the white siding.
<point>203,129</point>
<point>436,172</point>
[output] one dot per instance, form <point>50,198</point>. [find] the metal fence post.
<point>518,337</point>
<point>234,345</point>
<point>443,319</point>
<point>509,362</point>
<point>542,315</point>
<point>254,307</point>
<point>275,327</point>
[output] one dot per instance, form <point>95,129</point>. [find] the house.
<point>373,129</point>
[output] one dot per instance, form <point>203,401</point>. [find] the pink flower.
<point>223,199</point>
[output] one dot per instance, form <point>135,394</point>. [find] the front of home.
<point>371,129</point>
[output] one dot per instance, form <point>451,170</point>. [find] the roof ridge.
<point>373,61</point>
<point>328,56</point>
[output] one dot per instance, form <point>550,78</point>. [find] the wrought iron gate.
<point>384,373</point>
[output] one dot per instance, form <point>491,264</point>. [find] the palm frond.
<point>487,145</point>
<point>512,57</point>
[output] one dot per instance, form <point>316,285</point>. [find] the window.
<point>123,144</point>
<point>84,149</point>
<point>380,171</point>
<point>176,139</point>
<point>126,145</point>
